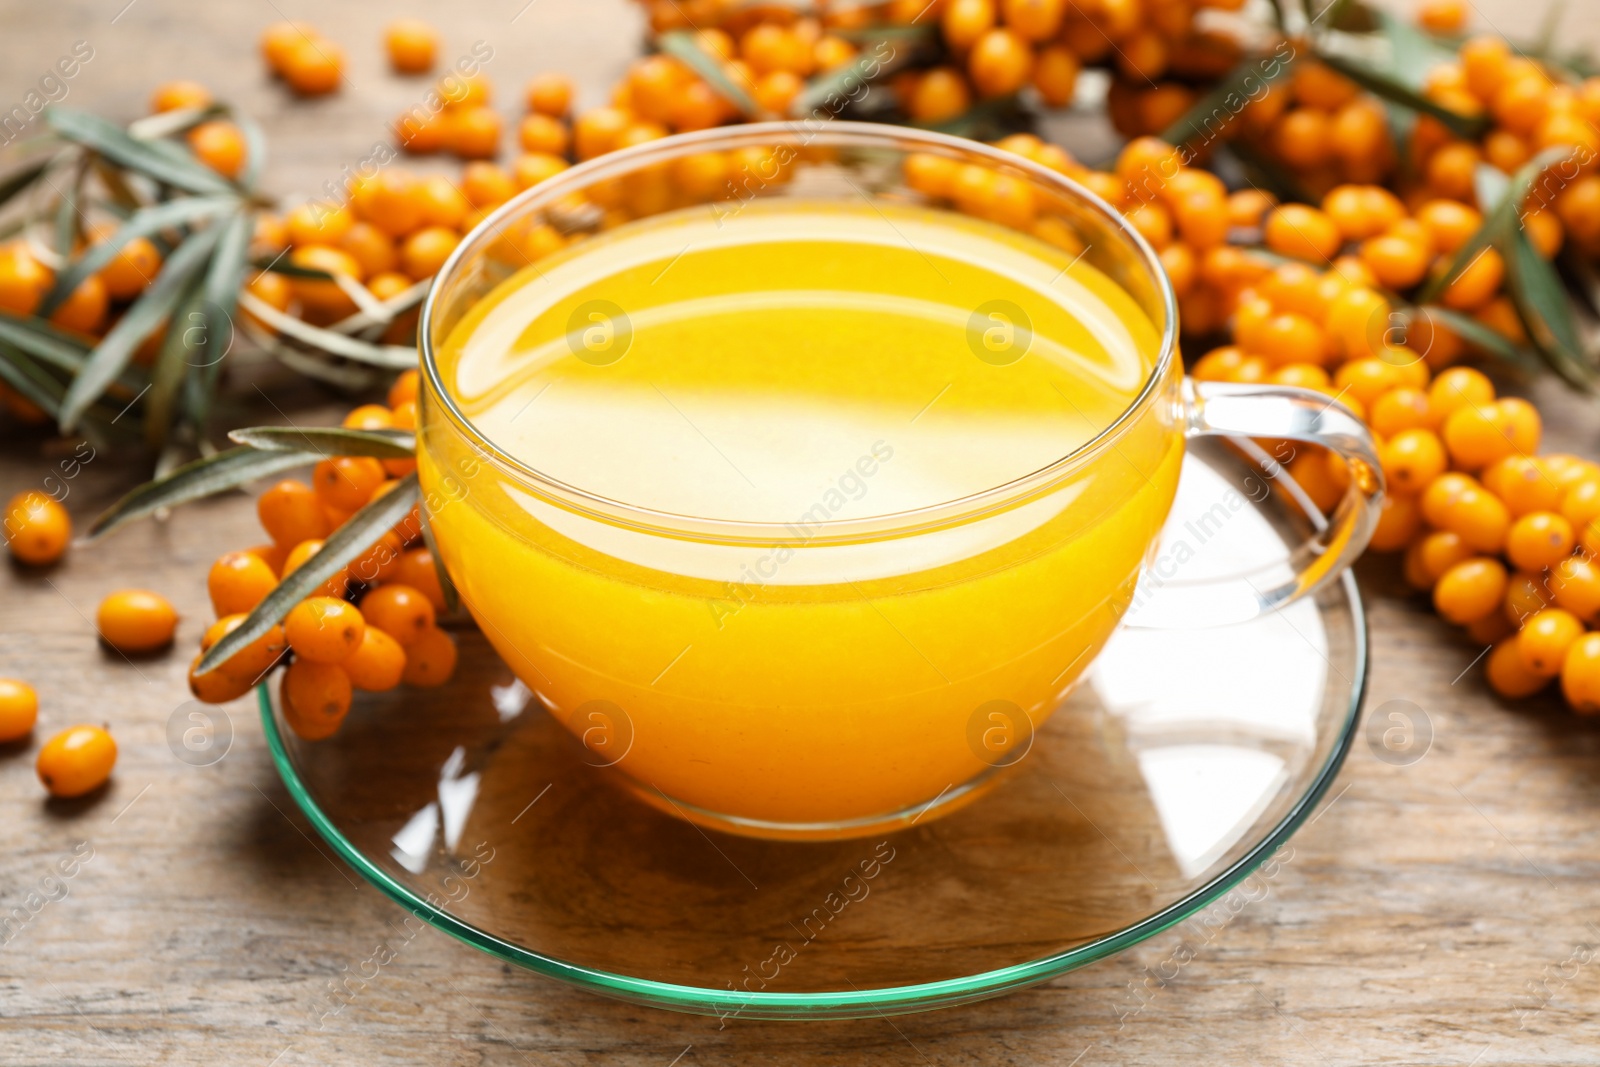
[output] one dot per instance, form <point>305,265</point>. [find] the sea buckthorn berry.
<point>368,417</point>
<point>1296,287</point>
<point>412,45</point>
<point>238,581</point>
<point>346,482</point>
<point>939,94</point>
<point>430,659</point>
<point>1478,436</point>
<point>1508,675</point>
<point>1568,470</point>
<point>473,132</point>
<point>549,94</point>
<point>280,38</point>
<point>324,629</point>
<point>1357,320</point>
<point>1489,629</point>
<point>1478,281</point>
<point>1219,364</point>
<point>1524,485</point>
<point>1401,409</point>
<point>1545,638</point>
<point>19,709</point>
<point>177,95</point>
<point>218,686</point>
<point>541,133</point>
<point>1538,540</point>
<point>319,295</point>
<point>1469,510</point>
<point>389,201</point>
<point>132,269</point>
<point>1247,207</point>
<point>317,224</point>
<point>220,145</point>
<point>1470,590</point>
<point>291,513</point>
<point>417,570</point>
<point>370,247</point>
<point>76,761</point>
<point>336,585</point>
<point>1055,75</point>
<point>964,21</point>
<point>425,251</point>
<point>1303,138</point>
<point>252,662</point>
<point>1302,232</point>
<point>1412,459</point>
<point>315,698</point>
<point>1399,521</point>
<point>377,663</point>
<point>1580,674</point>
<point>1292,338</point>
<point>1395,261</point>
<point>1522,423</point>
<point>404,388</point>
<point>136,620</point>
<point>1302,376</point>
<point>1449,224</point>
<point>313,67</point>
<point>1575,585</point>
<point>1439,551</point>
<point>1367,379</point>
<point>1580,505</point>
<point>37,529</point>
<point>1456,388</point>
<point>400,611</point>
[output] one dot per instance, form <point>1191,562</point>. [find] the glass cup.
<point>834,676</point>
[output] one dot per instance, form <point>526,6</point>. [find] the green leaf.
<point>220,296</point>
<point>39,338</point>
<point>843,81</point>
<point>329,441</point>
<point>1497,221</point>
<point>161,161</point>
<point>255,148</point>
<point>1474,333</point>
<point>193,481</point>
<point>1206,119</point>
<point>392,357</point>
<point>145,223</point>
<point>282,265</point>
<point>681,45</point>
<point>29,379</point>
<point>1384,85</point>
<point>1542,302</point>
<point>21,178</point>
<point>183,330</point>
<point>114,351</point>
<point>357,535</point>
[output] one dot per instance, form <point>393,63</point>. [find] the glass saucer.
<point>1177,766</point>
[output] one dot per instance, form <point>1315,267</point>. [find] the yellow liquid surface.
<point>798,365</point>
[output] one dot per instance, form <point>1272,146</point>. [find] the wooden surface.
<point>1441,912</point>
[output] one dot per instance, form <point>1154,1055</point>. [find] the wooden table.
<point>1442,912</point>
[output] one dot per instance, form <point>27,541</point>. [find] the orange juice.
<point>742,573</point>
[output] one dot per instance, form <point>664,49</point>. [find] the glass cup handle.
<point>1284,413</point>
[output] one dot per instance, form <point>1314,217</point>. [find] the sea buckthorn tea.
<point>762,568</point>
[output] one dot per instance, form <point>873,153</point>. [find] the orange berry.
<point>220,145</point>
<point>369,417</point>
<point>1523,484</point>
<point>1439,551</point>
<point>964,21</point>
<point>377,663</point>
<point>136,620</point>
<point>84,310</point>
<point>1507,673</point>
<point>218,686</point>
<point>939,94</point>
<point>238,581</point>
<point>1522,423</point>
<point>1580,504</point>
<point>346,482</point>
<point>486,185</point>
<point>178,95</point>
<point>324,629</point>
<point>252,662</point>
<point>1449,224</point>
<point>1470,590</point>
<point>1412,459</point>
<point>37,529</point>
<point>1545,638</point>
<point>1575,585</point>
<point>1395,261</point>
<point>315,698</point>
<point>1302,232</point>
<point>133,268</point>
<point>23,279</point>
<point>473,132</point>
<point>441,203</point>
<point>1401,409</point>
<point>315,223</point>
<point>279,39</point>
<point>313,67</point>
<point>370,247</point>
<point>1457,388</point>
<point>324,296</point>
<point>1580,674</point>
<point>76,761</point>
<point>1366,380</point>
<point>1539,539</point>
<point>999,63</point>
<point>597,131</point>
<point>412,44</point>
<point>1478,436</point>
<point>400,611</point>
<point>425,251</point>
<point>1247,207</point>
<point>1471,511</point>
<point>291,513</point>
<point>430,659</point>
<point>549,94</point>
<point>1055,75</point>
<point>379,562</point>
<point>417,570</point>
<point>1478,281</point>
<point>1442,16</point>
<point>390,201</point>
<point>541,133</point>
<point>531,168</point>
<point>1399,521</point>
<point>1303,138</point>
<point>19,709</point>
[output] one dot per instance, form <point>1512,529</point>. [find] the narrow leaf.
<point>1546,311</point>
<point>282,265</point>
<point>160,160</point>
<point>347,542</point>
<point>1387,87</point>
<point>329,441</point>
<point>39,338</point>
<point>1476,334</point>
<point>145,223</point>
<point>18,180</point>
<point>114,351</point>
<point>184,329</point>
<point>844,81</point>
<point>681,45</point>
<point>202,478</point>
<point>392,357</point>
<point>220,296</point>
<point>27,378</point>
<point>1206,120</point>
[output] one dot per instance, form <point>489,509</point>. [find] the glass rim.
<point>828,133</point>
<point>851,1003</point>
